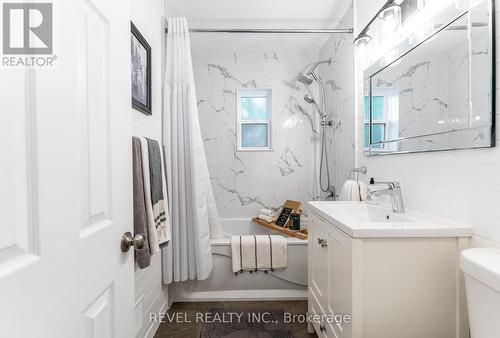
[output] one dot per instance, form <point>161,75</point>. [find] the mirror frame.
<point>437,23</point>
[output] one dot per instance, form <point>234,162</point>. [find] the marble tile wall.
<point>245,182</point>
<point>339,80</point>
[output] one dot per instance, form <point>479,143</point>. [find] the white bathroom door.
<point>65,177</point>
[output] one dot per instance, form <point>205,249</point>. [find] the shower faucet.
<point>330,194</point>
<point>308,78</point>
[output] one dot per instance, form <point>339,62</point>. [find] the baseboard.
<point>154,325</point>
<point>241,295</point>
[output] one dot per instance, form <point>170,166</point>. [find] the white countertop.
<point>363,220</point>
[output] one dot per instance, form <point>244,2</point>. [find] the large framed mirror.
<point>435,90</point>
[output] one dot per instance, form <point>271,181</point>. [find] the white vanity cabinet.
<point>330,256</point>
<point>389,285</point>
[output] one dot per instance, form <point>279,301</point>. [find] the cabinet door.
<point>318,266</point>
<point>339,278</point>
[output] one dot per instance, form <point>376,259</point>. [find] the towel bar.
<point>359,170</point>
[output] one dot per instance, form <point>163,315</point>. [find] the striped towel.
<point>159,230</point>
<point>258,252</point>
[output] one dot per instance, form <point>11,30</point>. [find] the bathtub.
<point>223,284</point>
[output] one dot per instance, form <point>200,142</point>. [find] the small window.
<point>379,122</point>
<point>254,119</point>
<point>385,119</point>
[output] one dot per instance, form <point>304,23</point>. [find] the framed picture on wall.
<point>140,55</point>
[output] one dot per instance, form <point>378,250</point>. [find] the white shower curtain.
<point>193,211</point>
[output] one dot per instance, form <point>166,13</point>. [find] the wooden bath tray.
<point>301,234</point>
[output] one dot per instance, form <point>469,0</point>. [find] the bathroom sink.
<point>361,219</point>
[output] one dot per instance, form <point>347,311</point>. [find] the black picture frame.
<point>140,52</point>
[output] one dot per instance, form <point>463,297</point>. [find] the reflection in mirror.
<point>426,99</point>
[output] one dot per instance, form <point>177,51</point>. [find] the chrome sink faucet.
<point>393,190</point>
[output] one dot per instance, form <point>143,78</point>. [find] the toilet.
<point>481,267</point>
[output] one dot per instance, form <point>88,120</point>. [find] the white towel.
<point>353,191</point>
<point>158,218</point>
<point>267,212</point>
<point>345,193</point>
<point>258,252</point>
<point>267,218</point>
<point>363,188</point>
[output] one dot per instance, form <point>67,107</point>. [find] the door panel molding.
<point>94,84</point>
<point>19,244</point>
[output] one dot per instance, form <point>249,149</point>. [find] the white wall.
<point>459,185</point>
<point>150,293</point>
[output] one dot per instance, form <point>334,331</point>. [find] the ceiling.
<point>259,14</point>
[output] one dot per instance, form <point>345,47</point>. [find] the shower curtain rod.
<point>272,30</point>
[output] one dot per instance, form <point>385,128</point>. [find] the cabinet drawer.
<point>316,311</point>
<point>322,327</point>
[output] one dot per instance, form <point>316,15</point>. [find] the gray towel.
<point>155,171</point>
<point>157,184</point>
<point>142,256</point>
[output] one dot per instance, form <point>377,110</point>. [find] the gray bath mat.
<point>245,323</point>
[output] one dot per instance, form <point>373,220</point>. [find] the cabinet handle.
<point>320,241</point>
<point>322,328</point>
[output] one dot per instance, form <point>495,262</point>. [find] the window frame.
<point>390,119</point>
<point>254,93</point>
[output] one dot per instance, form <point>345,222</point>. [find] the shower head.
<point>306,77</point>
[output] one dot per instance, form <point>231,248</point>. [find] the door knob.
<point>128,240</point>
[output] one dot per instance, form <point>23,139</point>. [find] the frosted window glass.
<point>253,108</point>
<point>254,135</point>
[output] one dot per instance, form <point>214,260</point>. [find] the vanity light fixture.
<point>391,19</point>
<point>362,40</point>
<point>390,12</point>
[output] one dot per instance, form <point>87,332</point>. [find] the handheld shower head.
<point>308,78</point>
<point>309,99</point>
